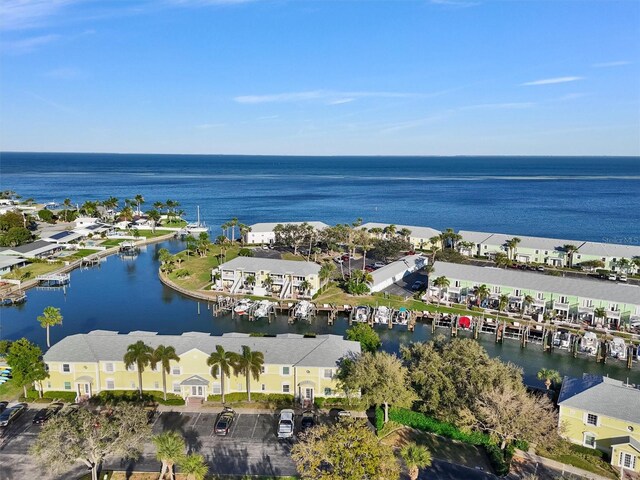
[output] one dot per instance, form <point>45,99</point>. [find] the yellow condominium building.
<point>305,367</point>
<point>603,413</point>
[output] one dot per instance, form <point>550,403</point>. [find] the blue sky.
<point>439,77</point>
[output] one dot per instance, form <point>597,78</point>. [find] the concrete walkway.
<point>555,465</point>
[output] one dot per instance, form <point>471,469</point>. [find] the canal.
<point>126,295</point>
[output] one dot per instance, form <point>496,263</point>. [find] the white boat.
<point>243,306</point>
<point>589,343</point>
<point>262,310</point>
<point>618,348</point>
<point>382,315</point>
<point>302,310</point>
<point>562,339</point>
<point>401,317</point>
<point>197,227</point>
<point>362,313</point>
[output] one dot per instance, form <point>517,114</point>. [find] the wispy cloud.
<point>618,63</point>
<point>499,106</point>
<point>65,73</point>
<point>19,14</point>
<point>327,96</point>
<point>26,45</point>
<point>551,81</point>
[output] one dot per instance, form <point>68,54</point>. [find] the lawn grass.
<point>152,234</point>
<point>10,391</point>
<point>34,269</point>
<point>173,224</point>
<point>291,256</point>
<point>112,242</point>
<point>199,268</point>
<point>85,252</point>
<point>567,454</point>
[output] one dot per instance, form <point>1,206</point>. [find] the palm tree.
<point>304,286</point>
<point>326,272</point>
<point>140,355</point>
<point>624,264</point>
<point>194,467</point>
<point>50,318</point>
<point>512,245</point>
<point>389,230</point>
<point>405,233</point>
<point>267,282</point>
<point>232,224</point>
<point>441,282</point>
<point>501,260</point>
<point>139,201</point>
<point>526,301</point>
<point>249,364</point>
<point>503,301</point>
<point>481,293</point>
<point>244,230</point>
<point>126,213</point>
<point>416,457</point>
<point>163,355</point>
<point>170,449</point>
<point>549,376</point>
<point>250,280</point>
<point>67,205</point>
<point>158,205</point>
<point>600,312</point>
<point>154,216</point>
<point>221,362</point>
<point>570,249</point>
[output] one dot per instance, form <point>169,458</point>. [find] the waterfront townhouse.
<point>419,236</point>
<point>567,298</point>
<point>549,251</point>
<point>302,367</point>
<point>262,233</point>
<point>602,413</point>
<point>262,276</point>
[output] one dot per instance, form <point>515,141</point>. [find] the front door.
<point>197,391</point>
<point>308,394</point>
<point>84,389</point>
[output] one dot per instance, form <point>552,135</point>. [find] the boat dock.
<point>54,280</point>
<point>13,298</point>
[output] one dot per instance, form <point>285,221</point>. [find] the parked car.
<point>369,268</point>
<point>417,285</point>
<point>11,413</point>
<point>46,413</point>
<point>338,260</point>
<point>379,265</point>
<point>540,268</point>
<point>308,420</point>
<point>3,406</point>
<point>622,277</point>
<point>613,277</point>
<point>285,423</point>
<point>224,421</point>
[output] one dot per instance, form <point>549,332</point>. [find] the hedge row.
<point>47,397</point>
<point>274,398</point>
<point>338,402</point>
<point>115,396</point>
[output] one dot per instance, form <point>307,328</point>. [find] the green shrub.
<point>47,397</point>
<point>339,402</point>
<point>586,451</point>
<point>497,459</point>
<point>280,400</point>
<point>245,252</point>
<point>117,396</point>
<point>379,419</point>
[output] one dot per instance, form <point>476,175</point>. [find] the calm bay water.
<point>574,198</point>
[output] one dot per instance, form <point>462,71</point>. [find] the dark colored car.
<point>308,420</point>
<point>224,421</point>
<point>46,413</point>
<point>11,413</point>
<point>369,268</point>
<point>3,406</point>
<point>417,285</point>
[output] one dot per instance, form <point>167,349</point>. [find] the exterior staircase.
<point>194,401</point>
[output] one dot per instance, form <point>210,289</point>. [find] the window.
<point>263,369</point>
<point>263,387</point>
<point>592,419</point>
<point>216,389</point>
<point>111,385</point>
<point>49,386</point>
<point>285,388</point>
<point>627,460</point>
<point>131,368</point>
<point>66,368</point>
<point>156,385</point>
<point>328,373</point>
<point>537,252</point>
<point>540,296</point>
<point>285,370</point>
<point>108,367</point>
<point>67,385</point>
<point>327,392</point>
<point>176,388</point>
<point>175,371</point>
<point>589,440</point>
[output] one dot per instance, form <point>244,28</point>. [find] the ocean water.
<point>576,198</point>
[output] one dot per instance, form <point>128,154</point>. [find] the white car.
<point>622,277</point>
<point>379,265</point>
<point>613,277</point>
<point>285,424</point>
<point>338,260</point>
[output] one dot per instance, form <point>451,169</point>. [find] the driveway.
<point>402,288</point>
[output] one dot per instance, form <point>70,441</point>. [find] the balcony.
<point>560,306</point>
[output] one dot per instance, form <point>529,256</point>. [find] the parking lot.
<point>402,287</point>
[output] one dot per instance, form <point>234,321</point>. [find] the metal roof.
<point>8,261</point>
<point>101,345</point>
<point>416,231</point>
<point>272,265</point>
<point>410,263</point>
<point>601,395</point>
<point>500,239</point>
<point>30,249</point>
<point>539,282</point>
<point>269,226</point>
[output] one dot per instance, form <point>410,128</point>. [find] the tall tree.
<point>513,414</point>
<point>346,451</point>
<point>88,437</point>
<point>381,378</point>
<point>67,205</point>
<point>249,364</point>
<point>527,301</point>
<point>170,448</point>
<point>221,363</point>
<point>441,282</point>
<point>139,199</point>
<point>570,250</point>
<point>327,270</point>
<point>154,216</point>
<point>27,367</point>
<point>481,292</point>
<point>512,245</point>
<point>140,355</point>
<point>162,356</point>
<point>415,457</point>
<point>50,317</point>
<point>366,335</point>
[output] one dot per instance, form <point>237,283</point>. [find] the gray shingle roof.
<point>416,231</point>
<point>31,249</point>
<point>272,265</point>
<point>601,395</point>
<point>584,288</point>
<point>610,250</point>
<point>269,226</point>
<point>102,345</point>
